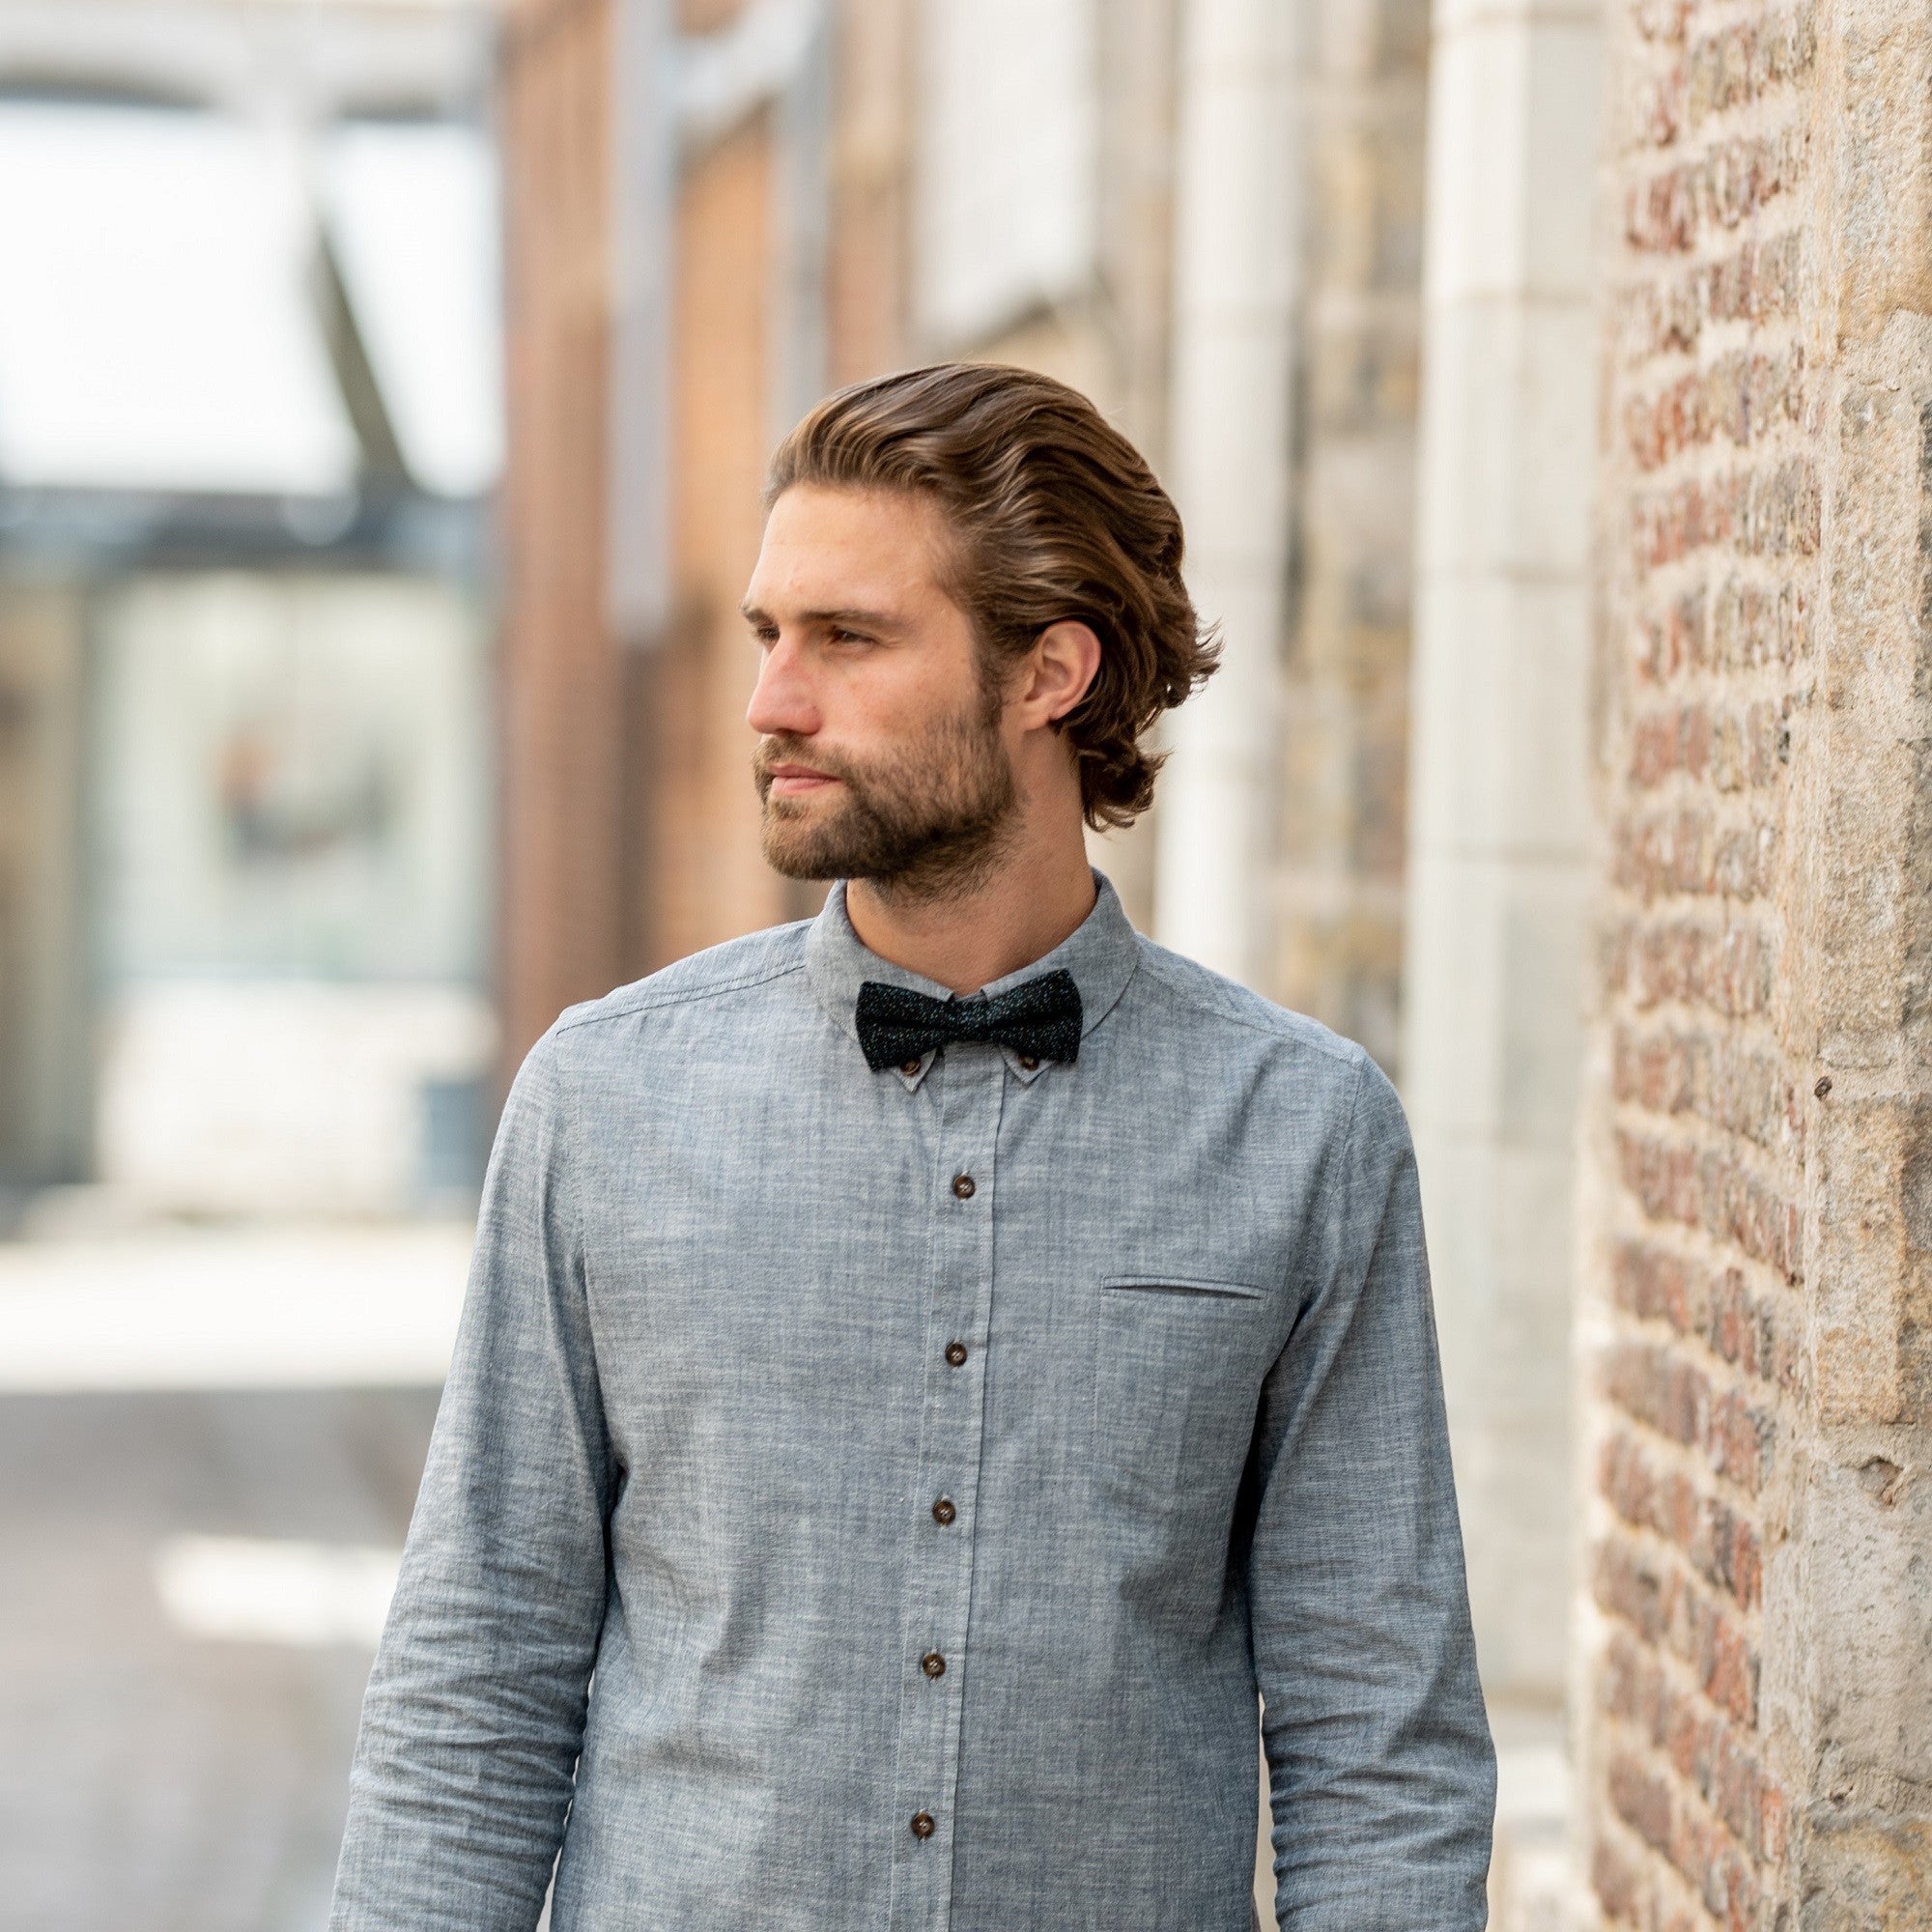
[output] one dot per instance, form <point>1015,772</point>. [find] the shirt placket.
<point>944,1505</point>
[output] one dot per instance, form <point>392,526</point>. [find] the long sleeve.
<point>475,1709</point>
<point>1382,1772</point>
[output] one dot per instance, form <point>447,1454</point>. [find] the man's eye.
<point>840,635</point>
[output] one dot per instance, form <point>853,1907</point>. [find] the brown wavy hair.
<point>1053,515</point>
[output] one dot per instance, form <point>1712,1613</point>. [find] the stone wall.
<point>1341,761</point>
<point>1754,1676</point>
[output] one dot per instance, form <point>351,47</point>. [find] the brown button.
<point>962,1186</point>
<point>922,1825</point>
<point>932,1664</point>
<point>908,1068</point>
<point>1029,1062</point>
<point>955,1353</point>
<point>943,1511</point>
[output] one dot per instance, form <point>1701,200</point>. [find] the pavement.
<point>209,1443</point>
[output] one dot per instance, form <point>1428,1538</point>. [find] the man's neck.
<point>1018,912</point>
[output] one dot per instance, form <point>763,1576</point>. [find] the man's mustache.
<point>783,750</point>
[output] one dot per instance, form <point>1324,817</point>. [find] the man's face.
<point>880,752</point>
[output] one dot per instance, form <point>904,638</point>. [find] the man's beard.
<point>925,822</point>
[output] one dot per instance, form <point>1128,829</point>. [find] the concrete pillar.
<point>1236,209</point>
<point>1498,805</point>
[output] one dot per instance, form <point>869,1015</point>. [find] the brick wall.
<point>1761,656</point>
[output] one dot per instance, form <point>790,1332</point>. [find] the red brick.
<point>1757,283</point>
<point>1729,1666</point>
<point>1661,20</point>
<point>1727,969</point>
<point>1643,1800</point>
<point>1741,1439</point>
<point>1753,625</point>
<point>1656,1285</point>
<point>1618,1883</point>
<point>1739,177</point>
<point>1747,61</point>
<point>1738,1325</point>
<point>1773,511</point>
<point>1720,1544</point>
<point>1737,1555</point>
<point>1661,213</point>
<point>1689,1074</point>
<point>1673,638</point>
<point>1737,1789</point>
<point>1709,1188</point>
<point>1782,510</point>
<point>1650,1384</point>
<point>1728,184</point>
<point>1627,1586</point>
<point>1740,397</point>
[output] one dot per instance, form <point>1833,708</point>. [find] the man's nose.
<point>782,700</point>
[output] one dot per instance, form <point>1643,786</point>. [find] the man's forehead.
<point>844,551</point>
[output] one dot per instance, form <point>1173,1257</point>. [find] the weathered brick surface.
<point>1759,1392</point>
<point>1713,504</point>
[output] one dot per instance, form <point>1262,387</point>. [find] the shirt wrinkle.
<point>614,1006</point>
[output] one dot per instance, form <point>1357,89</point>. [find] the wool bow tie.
<point>1040,1018</point>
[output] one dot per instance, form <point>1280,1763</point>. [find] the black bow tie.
<point>1038,1019</point>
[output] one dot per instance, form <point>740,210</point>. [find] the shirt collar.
<point>1101,954</point>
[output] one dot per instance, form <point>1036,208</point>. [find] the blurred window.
<point>1007,212</point>
<point>156,329</point>
<point>290,777</point>
<point>412,212</point>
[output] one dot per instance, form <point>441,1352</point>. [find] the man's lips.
<point>798,780</point>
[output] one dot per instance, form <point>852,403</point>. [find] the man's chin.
<point>795,864</point>
<point>792,848</point>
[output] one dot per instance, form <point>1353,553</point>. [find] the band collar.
<point>1101,954</point>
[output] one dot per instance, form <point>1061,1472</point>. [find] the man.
<point>927,1368</point>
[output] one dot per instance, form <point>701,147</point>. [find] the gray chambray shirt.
<point>790,1497</point>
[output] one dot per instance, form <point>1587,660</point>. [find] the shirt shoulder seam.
<point>674,997</point>
<point>1346,1052</point>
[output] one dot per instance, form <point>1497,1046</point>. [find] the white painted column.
<point>1235,227</point>
<point>1499,803</point>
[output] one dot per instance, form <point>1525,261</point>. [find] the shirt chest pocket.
<point>1179,1359</point>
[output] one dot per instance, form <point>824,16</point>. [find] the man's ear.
<point>1062,668</point>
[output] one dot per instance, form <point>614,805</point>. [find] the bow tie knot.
<point>1039,1019</point>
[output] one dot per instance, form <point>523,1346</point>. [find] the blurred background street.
<point>175,1758</point>
<point>209,1441</point>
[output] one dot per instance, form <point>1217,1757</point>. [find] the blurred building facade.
<point>249,419</point>
<point>1544,388</point>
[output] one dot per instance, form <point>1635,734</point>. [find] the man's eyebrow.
<point>864,621</point>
